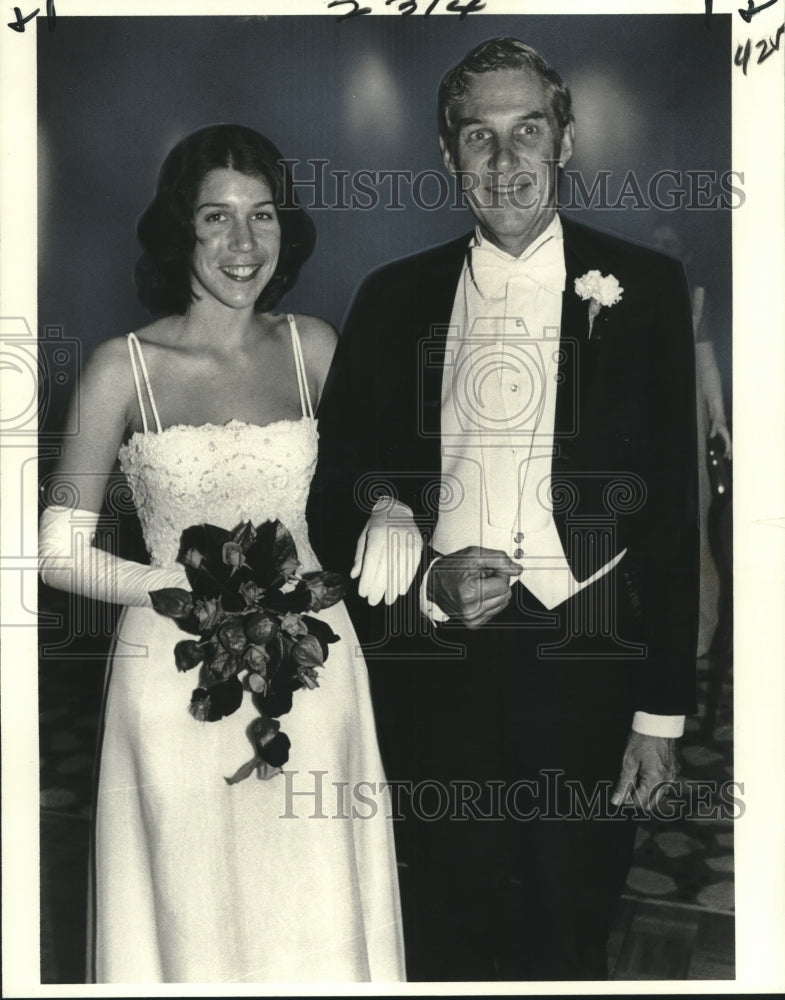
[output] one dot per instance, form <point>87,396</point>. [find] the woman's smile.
<point>241,272</point>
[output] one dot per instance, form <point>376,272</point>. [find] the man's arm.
<point>346,444</point>
<point>667,557</point>
<point>667,549</point>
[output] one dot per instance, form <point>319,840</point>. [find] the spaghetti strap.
<point>135,351</point>
<point>299,364</point>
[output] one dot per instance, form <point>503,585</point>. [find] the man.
<point>537,418</point>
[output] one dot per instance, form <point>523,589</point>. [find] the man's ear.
<point>567,143</point>
<point>447,157</point>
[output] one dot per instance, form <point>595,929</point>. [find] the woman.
<point>210,410</point>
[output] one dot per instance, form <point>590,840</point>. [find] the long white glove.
<point>68,560</point>
<point>388,552</point>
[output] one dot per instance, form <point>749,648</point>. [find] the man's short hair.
<point>500,53</point>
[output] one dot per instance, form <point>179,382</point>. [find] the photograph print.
<point>387,473</point>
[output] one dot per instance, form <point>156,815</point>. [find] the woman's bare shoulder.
<point>109,371</point>
<point>109,358</point>
<point>114,353</point>
<point>102,405</point>
<point>318,337</point>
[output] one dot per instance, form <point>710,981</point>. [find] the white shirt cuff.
<point>431,610</point>
<point>670,726</point>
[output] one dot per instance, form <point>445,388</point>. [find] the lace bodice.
<point>221,474</point>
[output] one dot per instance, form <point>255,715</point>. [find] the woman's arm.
<point>710,387</point>
<point>98,418</point>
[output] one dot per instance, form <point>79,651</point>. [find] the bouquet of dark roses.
<point>248,606</point>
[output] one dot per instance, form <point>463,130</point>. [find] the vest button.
<point>518,554</point>
<point>518,538</point>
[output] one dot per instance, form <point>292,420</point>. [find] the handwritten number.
<point>767,46</point>
<point>469,7</point>
<point>409,7</point>
<point>354,12</point>
<point>776,43</point>
<point>20,22</point>
<point>742,56</point>
<point>404,6</point>
<point>766,52</point>
<point>752,10</point>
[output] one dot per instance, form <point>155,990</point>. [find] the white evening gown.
<point>195,880</point>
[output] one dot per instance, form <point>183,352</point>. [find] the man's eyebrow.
<point>529,116</point>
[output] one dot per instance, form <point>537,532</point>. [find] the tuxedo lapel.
<point>573,427</point>
<point>574,341</point>
<point>438,282</point>
<point>442,280</point>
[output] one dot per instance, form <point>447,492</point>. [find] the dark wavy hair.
<point>493,54</point>
<point>166,228</point>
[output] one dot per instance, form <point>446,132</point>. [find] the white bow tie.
<point>545,266</point>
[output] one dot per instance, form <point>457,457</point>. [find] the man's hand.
<point>648,761</point>
<point>388,552</point>
<point>472,584</point>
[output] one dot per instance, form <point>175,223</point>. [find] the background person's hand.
<point>472,584</point>
<point>720,428</point>
<point>388,553</point>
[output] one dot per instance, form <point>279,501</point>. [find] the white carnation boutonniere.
<point>599,291</point>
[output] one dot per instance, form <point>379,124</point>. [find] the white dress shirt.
<point>497,420</point>
<point>497,423</point>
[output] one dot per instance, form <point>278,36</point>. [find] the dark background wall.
<point>650,93</point>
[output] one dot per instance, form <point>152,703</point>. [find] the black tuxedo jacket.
<point>624,466</point>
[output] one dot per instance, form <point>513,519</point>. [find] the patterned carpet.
<point>684,866</point>
<point>689,859</point>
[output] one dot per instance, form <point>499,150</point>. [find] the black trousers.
<point>504,759</point>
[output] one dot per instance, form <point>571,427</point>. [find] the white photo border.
<point>759,501</point>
